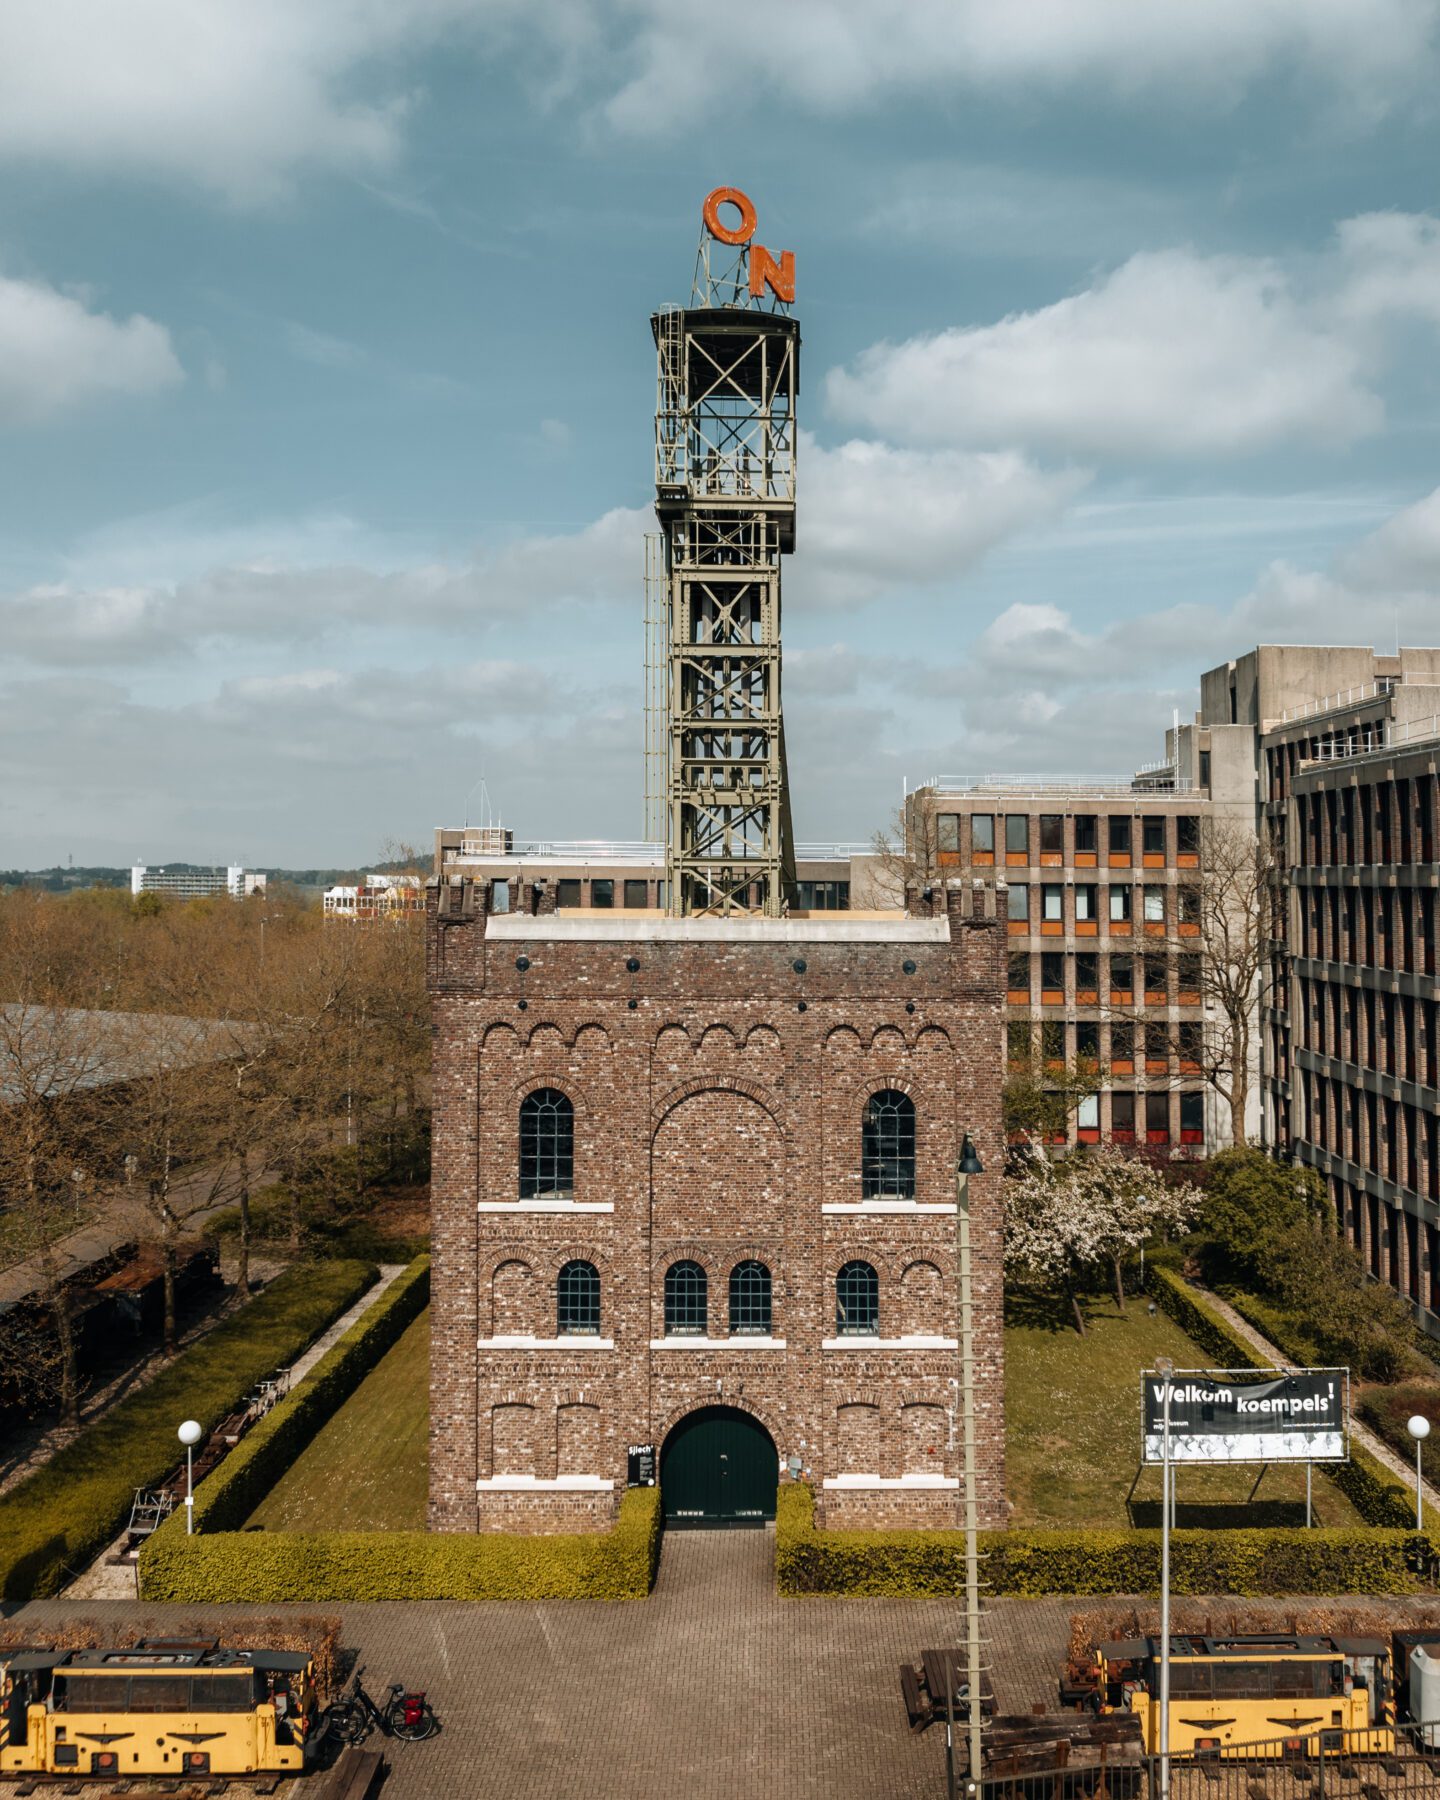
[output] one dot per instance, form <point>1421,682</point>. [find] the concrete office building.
<point>190,882</point>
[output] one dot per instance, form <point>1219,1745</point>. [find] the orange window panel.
<point>1089,1134</point>
<point>1018,996</point>
<point>1017,859</point>
<point>1188,1066</point>
<point>1119,859</point>
<point>1154,928</point>
<point>1186,998</point>
<point>950,859</point>
<point>1052,997</point>
<point>1156,1065</point>
<point>1017,927</point>
<point>1187,859</point>
<point>1157,1137</point>
<point>1051,859</point>
<point>1189,931</point>
<point>1119,928</point>
<point>1152,860</point>
<point>983,859</point>
<point>1087,928</point>
<point>1154,996</point>
<point>1123,1065</point>
<point>1086,859</point>
<point>1087,997</point>
<point>1052,928</point>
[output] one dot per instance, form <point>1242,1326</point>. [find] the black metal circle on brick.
<point>910,1006</point>
<point>632,963</point>
<point>522,1004</point>
<point>798,965</point>
<point>908,966</point>
<point>522,963</point>
<point>802,1007</point>
<point>633,1005</point>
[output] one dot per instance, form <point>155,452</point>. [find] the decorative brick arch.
<point>710,1084</point>
<point>663,1424</point>
<point>562,1079</point>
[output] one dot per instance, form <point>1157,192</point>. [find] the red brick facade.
<point>718,1073</point>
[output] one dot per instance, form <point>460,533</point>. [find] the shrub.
<point>1369,1487</point>
<point>1037,1563</point>
<point>226,1500</point>
<point>1387,1410</point>
<point>1251,1202</point>
<point>270,1567</point>
<point>53,1522</point>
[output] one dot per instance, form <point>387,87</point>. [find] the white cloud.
<point>875,518</point>
<point>55,354</point>
<point>1390,266</point>
<point>1172,354</point>
<point>838,55</point>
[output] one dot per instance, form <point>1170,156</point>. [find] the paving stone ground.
<point>712,1687</point>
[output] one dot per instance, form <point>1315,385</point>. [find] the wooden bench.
<point>355,1774</point>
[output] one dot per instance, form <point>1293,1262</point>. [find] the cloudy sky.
<point>326,377</point>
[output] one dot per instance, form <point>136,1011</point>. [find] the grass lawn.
<point>1072,1440</point>
<point>366,1469</point>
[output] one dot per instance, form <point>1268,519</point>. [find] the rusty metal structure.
<point>725,441</point>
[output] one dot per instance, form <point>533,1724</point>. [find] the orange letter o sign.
<point>729,196</point>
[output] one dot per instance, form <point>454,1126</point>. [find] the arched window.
<point>577,1300</point>
<point>547,1145</point>
<point>887,1158</point>
<point>750,1299</point>
<point>857,1301</point>
<point>686,1313</point>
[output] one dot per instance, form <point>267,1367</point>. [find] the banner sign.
<point>1248,1416</point>
<point>640,1466</point>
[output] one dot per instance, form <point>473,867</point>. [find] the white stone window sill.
<point>575,1341</point>
<point>739,1342</point>
<point>869,1483</point>
<point>919,1341</point>
<point>545,1206</point>
<point>528,1484</point>
<point>858,1208</point>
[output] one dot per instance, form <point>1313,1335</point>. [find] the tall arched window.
<point>547,1145</point>
<point>887,1157</point>
<point>857,1301</point>
<point>750,1299</point>
<point>686,1300</point>
<point>577,1300</point>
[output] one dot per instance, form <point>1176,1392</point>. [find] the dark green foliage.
<point>1369,1487</point>
<point>227,1499</point>
<point>1387,1410</point>
<point>267,1567</point>
<point>1321,1283</point>
<point>1038,1563</point>
<point>1251,1202</point>
<point>57,1519</point>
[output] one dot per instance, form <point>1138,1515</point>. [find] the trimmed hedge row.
<point>1037,1563</point>
<point>52,1523</point>
<point>226,1500</point>
<point>269,1567</point>
<point>1368,1485</point>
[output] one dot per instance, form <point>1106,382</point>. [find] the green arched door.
<point>718,1467</point>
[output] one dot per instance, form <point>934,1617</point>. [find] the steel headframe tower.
<point>725,497</point>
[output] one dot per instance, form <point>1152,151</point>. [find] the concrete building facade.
<point>700,1174</point>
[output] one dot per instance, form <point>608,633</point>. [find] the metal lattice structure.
<point>725,439</point>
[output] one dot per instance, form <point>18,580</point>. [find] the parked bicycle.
<point>404,1714</point>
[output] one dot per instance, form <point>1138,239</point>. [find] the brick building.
<point>695,1189</point>
<point>1103,937</point>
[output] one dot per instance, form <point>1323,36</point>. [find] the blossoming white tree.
<point>1064,1221</point>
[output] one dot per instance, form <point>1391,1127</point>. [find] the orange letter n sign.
<point>766,272</point>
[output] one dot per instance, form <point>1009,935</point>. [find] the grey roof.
<point>48,1051</point>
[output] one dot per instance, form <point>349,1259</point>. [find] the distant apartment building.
<point>629,877</point>
<point>375,897</point>
<point>1344,744</point>
<point>1103,929</point>
<point>188,881</point>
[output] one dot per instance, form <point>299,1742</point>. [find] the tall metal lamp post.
<point>1419,1429</point>
<point>1165,1369</point>
<point>968,1165</point>
<point>190,1434</point>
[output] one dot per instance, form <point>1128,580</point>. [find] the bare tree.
<point>1229,909</point>
<point>907,853</point>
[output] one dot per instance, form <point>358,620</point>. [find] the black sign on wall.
<point>640,1466</point>
<point>1268,1415</point>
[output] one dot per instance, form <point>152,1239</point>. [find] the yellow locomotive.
<point>1254,1695</point>
<point>162,1708</point>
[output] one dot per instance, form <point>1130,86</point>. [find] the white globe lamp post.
<point>190,1434</point>
<point>1419,1429</point>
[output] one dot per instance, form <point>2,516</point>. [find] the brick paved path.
<point>713,1688</point>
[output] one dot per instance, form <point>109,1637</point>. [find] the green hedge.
<point>57,1519</point>
<point>228,1497</point>
<point>1037,1563</point>
<point>269,1567</point>
<point>1368,1485</point>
